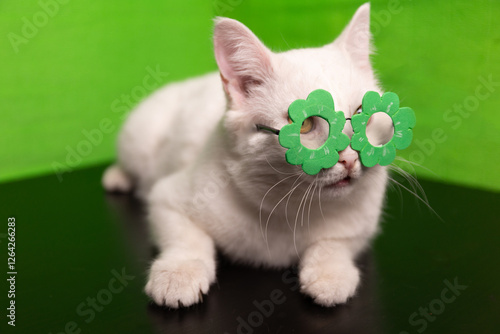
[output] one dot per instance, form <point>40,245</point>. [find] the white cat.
<point>212,180</point>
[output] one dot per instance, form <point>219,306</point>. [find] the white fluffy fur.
<point>211,180</point>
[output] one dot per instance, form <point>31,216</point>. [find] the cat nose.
<point>348,158</point>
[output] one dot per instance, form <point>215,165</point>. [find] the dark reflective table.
<point>82,255</point>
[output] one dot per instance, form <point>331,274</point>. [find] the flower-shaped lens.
<point>319,103</point>
<point>403,121</point>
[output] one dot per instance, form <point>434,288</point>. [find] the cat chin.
<point>339,188</point>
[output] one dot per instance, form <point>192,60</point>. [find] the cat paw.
<point>116,180</point>
<point>179,285</point>
<point>329,285</point>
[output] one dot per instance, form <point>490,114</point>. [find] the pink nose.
<point>348,158</point>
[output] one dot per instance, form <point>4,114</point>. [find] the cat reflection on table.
<point>211,181</point>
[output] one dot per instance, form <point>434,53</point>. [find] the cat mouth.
<point>346,181</point>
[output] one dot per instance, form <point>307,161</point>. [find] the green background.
<point>62,74</point>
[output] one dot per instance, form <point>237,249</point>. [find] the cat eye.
<point>307,125</point>
<point>359,110</point>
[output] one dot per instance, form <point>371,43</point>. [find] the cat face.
<point>260,85</point>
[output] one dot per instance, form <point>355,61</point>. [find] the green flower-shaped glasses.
<point>320,104</point>
<point>403,121</point>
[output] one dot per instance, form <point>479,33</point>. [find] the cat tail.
<point>115,179</point>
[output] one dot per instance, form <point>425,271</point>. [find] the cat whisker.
<point>310,202</point>
<point>412,163</point>
<point>277,171</point>
<point>274,208</point>
<point>411,180</point>
<point>320,208</point>
<point>265,195</point>
<point>288,200</point>
<point>283,37</point>
<point>398,191</point>
<point>297,218</point>
<point>305,202</point>
<point>418,197</point>
<point>415,185</point>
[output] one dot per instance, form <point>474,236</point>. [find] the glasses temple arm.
<point>261,127</point>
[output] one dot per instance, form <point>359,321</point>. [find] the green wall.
<point>68,77</point>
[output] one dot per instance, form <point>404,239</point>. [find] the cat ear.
<point>244,62</point>
<point>356,37</point>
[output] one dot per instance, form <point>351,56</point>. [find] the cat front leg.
<point>328,273</point>
<point>185,268</point>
